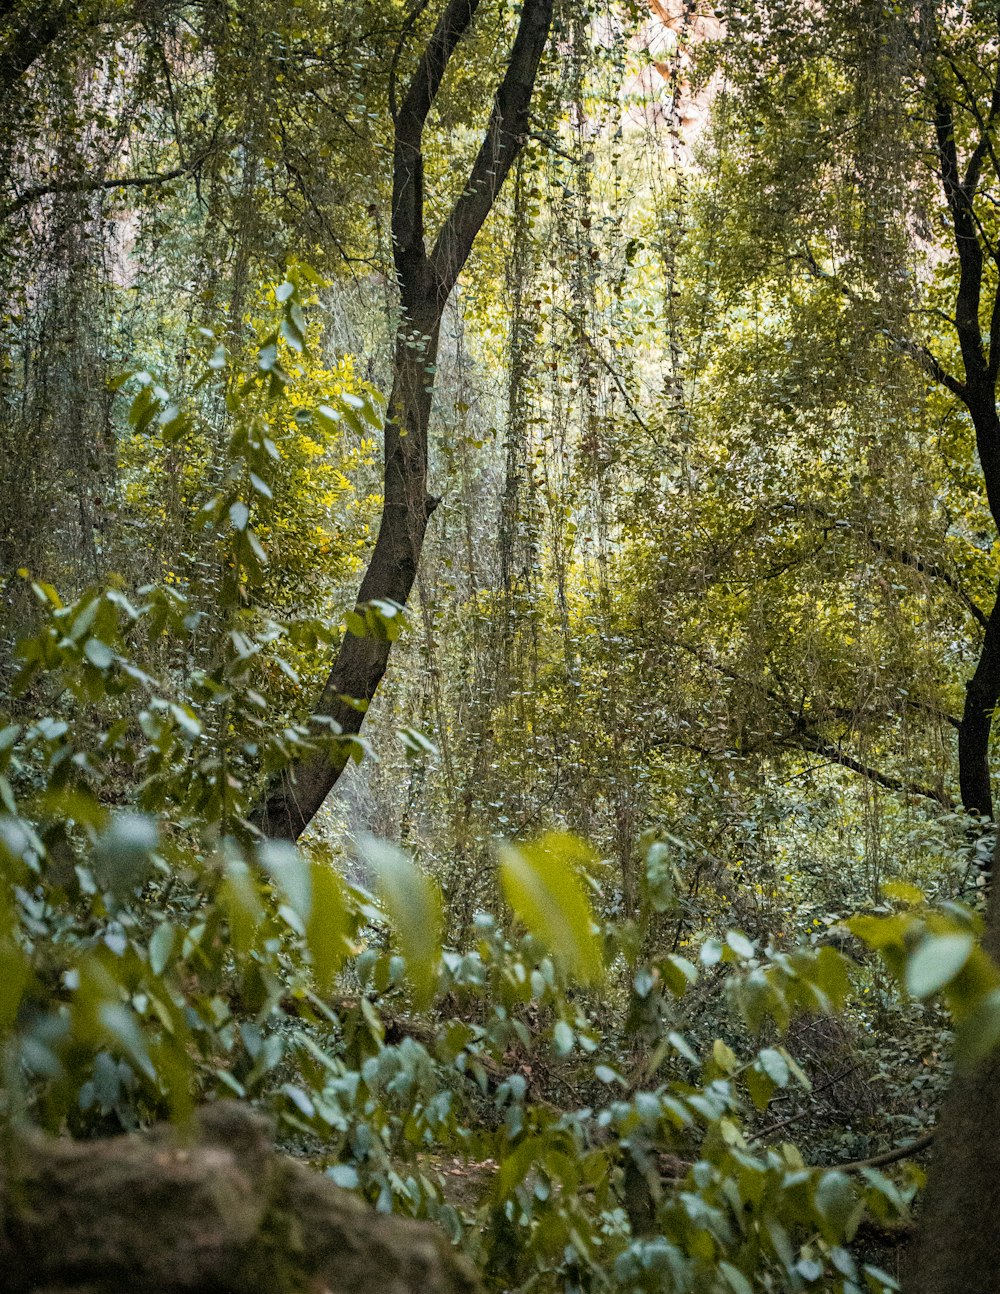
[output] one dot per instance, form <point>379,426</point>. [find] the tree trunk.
<point>157,1215</point>
<point>361,662</point>
<point>981,697</point>
<point>426,280</point>
<point>958,1250</point>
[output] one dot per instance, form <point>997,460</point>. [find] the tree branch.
<point>889,1156</point>
<point>38,191</point>
<point>408,168</point>
<point>905,558</point>
<point>970,252</point>
<point>408,24</point>
<point>816,745</point>
<point>508,126</point>
<point>924,356</point>
<point>803,738</point>
<point>897,554</point>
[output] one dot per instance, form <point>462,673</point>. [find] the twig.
<point>889,1156</point>
<point>37,191</point>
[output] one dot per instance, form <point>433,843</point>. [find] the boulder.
<point>215,1210</point>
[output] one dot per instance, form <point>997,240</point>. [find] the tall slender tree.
<point>426,279</point>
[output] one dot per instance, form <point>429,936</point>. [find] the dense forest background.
<point>545,461</point>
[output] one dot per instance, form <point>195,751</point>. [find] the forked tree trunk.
<point>958,1250</point>
<point>426,280</point>
<point>961,186</point>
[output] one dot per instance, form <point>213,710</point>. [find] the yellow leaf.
<point>542,882</point>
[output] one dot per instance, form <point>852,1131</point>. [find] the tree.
<point>425,280</point>
<point>962,85</point>
<point>950,94</point>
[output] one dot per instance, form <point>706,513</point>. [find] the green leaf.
<point>735,1279</point>
<point>122,1030</point>
<point>241,902</point>
<point>542,883</point>
<point>412,903</point>
<point>978,1034</point>
<point>99,654</point>
<point>291,873</point>
<point>740,944</point>
<point>903,892</point>
<point>879,1280</point>
<point>122,857</point>
<point>836,1202</point>
<point>161,945</point>
<point>328,418</point>
<point>775,1066</point>
<point>563,1038</point>
<point>682,1046</point>
<point>678,973</point>
<point>15,976</point>
<point>415,743</point>
<point>936,961</point>
<point>759,1085</point>
<point>660,881</point>
<point>328,927</point>
<point>187,721</point>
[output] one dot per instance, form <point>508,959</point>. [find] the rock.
<point>218,1212</point>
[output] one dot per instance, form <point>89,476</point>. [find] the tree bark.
<point>360,665</point>
<point>981,697</point>
<point>159,1215</point>
<point>958,1249</point>
<point>426,280</point>
<point>959,1244</point>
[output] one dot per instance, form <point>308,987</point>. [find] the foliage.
<point>706,581</point>
<point>156,955</point>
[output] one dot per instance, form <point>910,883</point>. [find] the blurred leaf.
<point>775,1066</point>
<point>412,903</point>
<point>242,904</point>
<point>122,858</point>
<point>290,872</point>
<point>740,944</point>
<point>542,883</point>
<point>161,945</point>
<point>562,1036</point>
<point>978,1034</point>
<point>904,892</point>
<point>98,653</point>
<point>328,927</point>
<point>936,961</point>
<point>678,973</point>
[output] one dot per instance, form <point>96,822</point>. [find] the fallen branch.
<point>889,1156</point>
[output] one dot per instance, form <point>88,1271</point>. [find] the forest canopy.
<point>499,567</point>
